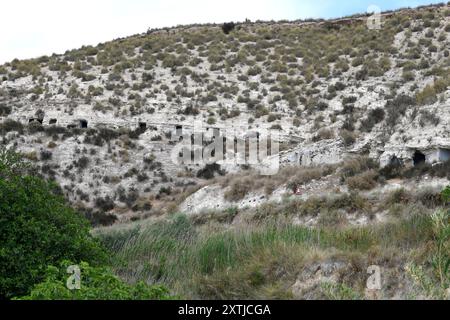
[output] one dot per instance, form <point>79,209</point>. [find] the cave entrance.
<point>179,130</point>
<point>419,158</point>
<point>52,121</point>
<point>36,120</point>
<point>83,124</point>
<point>142,126</point>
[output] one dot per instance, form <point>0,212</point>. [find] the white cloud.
<point>31,28</point>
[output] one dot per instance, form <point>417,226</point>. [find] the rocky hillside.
<point>101,120</point>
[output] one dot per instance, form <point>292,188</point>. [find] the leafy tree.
<point>37,228</point>
<point>96,283</point>
<point>446,195</point>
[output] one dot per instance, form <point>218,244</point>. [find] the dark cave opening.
<point>418,158</point>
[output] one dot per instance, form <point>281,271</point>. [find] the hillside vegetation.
<point>363,118</point>
<point>316,81</point>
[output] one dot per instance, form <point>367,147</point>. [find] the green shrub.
<point>446,195</point>
<point>172,61</point>
<point>408,76</point>
<point>37,229</point>
<point>435,284</point>
<point>211,121</point>
<point>96,283</point>
<point>254,71</point>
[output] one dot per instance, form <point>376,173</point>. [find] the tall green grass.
<point>177,254</point>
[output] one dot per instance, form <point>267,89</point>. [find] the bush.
<point>305,175</point>
<point>427,117</point>
<point>392,170</point>
<point>324,134</point>
<point>239,189</point>
<point>408,76</point>
<point>105,204</point>
<point>128,198</point>
<point>46,155</point>
<point>35,127</point>
<point>363,181</point>
<point>446,195</point>
<point>11,125</point>
<point>189,111</point>
<point>37,229</point>
<point>273,117</point>
<point>211,121</point>
<point>357,165</point>
<point>397,107</point>
<point>348,100</point>
<point>97,283</point>
<point>54,130</point>
<point>82,163</point>
<point>254,71</point>
<point>375,116</point>
<point>4,110</point>
<point>348,137</point>
<point>276,127</point>
<point>429,94</point>
<point>426,96</point>
<point>228,27</point>
<point>209,170</point>
<point>100,218</point>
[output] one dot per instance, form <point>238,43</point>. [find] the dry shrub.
<point>324,134</point>
<point>354,166</point>
<point>363,181</point>
<point>239,189</point>
<point>348,137</point>
<point>292,176</point>
<point>399,196</point>
<point>305,175</point>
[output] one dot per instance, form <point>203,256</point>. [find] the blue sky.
<point>30,28</point>
<point>336,8</point>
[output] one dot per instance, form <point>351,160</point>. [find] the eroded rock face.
<point>323,152</point>
<point>144,88</point>
<point>212,198</point>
